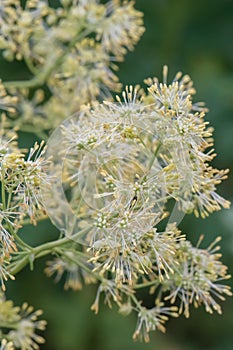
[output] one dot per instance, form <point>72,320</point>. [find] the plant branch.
<point>154,155</point>
<point>44,75</point>
<point>42,250</point>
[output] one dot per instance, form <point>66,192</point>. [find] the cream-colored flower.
<point>196,278</point>
<point>151,320</point>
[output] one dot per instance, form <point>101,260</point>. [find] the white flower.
<point>151,320</point>
<point>24,335</point>
<point>196,278</point>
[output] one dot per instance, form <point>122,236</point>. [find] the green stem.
<point>31,130</point>
<point>9,325</point>
<point>60,242</point>
<point>144,285</point>
<point>30,66</point>
<point>19,266</point>
<point>135,300</point>
<point>154,155</point>
<point>83,266</point>
<point>3,194</point>
<point>9,197</point>
<point>34,82</point>
<point>44,249</point>
<point>22,243</point>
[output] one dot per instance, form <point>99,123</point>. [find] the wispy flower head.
<point>123,162</point>
<point>112,294</point>
<point>19,326</point>
<point>175,98</point>
<point>24,336</point>
<point>121,28</point>
<point>67,265</point>
<point>116,246</point>
<point>151,320</point>
<point>196,278</point>
<point>23,177</point>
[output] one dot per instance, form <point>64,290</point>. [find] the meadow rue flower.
<point>121,28</point>
<point>19,325</point>
<point>14,41</point>
<point>196,278</point>
<point>67,265</point>
<point>117,247</point>
<point>24,336</point>
<point>152,319</point>
<point>173,99</point>
<point>181,123</point>
<point>23,177</point>
<point>122,162</point>
<point>111,294</point>
<point>184,170</point>
<point>87,71</point>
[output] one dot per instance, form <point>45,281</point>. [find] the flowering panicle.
<point>112,169</point>
<point>21,177</point>
<point>183,172</point>
<point>73,49</point>
<point>121,163</point>
<point>129,249</point>
<point>116,246</point>
<point>173,99</point>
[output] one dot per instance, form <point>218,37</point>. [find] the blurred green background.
<point>195,37</point>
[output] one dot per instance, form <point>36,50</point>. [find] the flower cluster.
<point>21,178</point>
<point>72,49</point>
<point>108,174</point>
<point>196,279</point>
<point>73,264</point>
<point>152,319</point>
<point>19,326</point>
<point>122,162</point>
